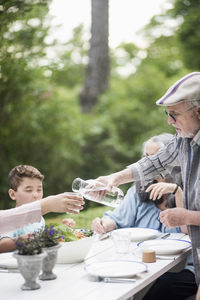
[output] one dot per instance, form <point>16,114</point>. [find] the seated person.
<point>137,210</point>
<point>143,210</point>
<point>26,185</point>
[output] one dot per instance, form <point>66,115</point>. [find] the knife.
<point>163,236</point>
<point>104,236</point>
<point>166,257</point>
<point>9,271</point>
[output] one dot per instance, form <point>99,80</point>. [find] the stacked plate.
<point>7,261</point>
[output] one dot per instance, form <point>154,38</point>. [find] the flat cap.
<point>185,89</point>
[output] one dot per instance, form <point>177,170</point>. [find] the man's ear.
<point>11,193</point>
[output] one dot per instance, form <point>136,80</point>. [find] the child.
<point>26,185</point>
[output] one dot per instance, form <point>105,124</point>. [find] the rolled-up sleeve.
<point>163,164</point>
<point>15,218</point>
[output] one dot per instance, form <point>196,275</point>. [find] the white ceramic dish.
<point>73,252</point>
<point>7,261</point>
<point>165,247</point>
<point>116,268</point>
<point>140,234</point>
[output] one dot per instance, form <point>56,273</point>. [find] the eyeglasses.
<point>175,116</point>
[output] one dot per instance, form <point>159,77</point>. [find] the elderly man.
<point>182,102</point>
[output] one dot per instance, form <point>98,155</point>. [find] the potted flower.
<point>29,255</point>
<point>49,239</point>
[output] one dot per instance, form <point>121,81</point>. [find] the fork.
<point>112,279</point>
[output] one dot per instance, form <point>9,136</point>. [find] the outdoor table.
<point>73,283</point>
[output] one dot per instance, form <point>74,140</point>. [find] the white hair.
<point>161,139</point>
<point>196,102</point>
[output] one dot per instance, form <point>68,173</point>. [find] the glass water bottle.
<point>96,191</point>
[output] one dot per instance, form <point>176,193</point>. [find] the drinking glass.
<point>122,241</point>
<point>76,194</point>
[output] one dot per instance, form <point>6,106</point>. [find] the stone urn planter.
<point>49,263</point>
<point>30,267</point>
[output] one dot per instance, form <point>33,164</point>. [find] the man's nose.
<point>170,120</point>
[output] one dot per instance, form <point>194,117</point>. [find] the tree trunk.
<point>97,75</point>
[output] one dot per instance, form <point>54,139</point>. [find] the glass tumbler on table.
<point>122,241</point>
<point>96,191</point>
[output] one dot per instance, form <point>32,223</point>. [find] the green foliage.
<point>182,24</point>
<point>69,68</point>
<point>41,123</point>
<point>189,30</point>
<point>66,232</point>
<point>22,36</point>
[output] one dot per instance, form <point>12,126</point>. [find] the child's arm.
<point>29,213</point>
<point>7,244</point>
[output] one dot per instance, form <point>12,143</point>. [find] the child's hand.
<point>159,189</point>
<point>69,222</point>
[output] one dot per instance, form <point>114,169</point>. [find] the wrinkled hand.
<point>174,217</point>
<point>159,189</point>
<point>108,181</point>
<point>103,225</point>
<point>95,190</point>
<point>97,226</point>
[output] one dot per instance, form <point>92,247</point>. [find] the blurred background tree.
<point>97,75</point>
<point>41,119</point>
<point>188,14</point>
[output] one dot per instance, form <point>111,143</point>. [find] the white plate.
<point>118,268</point>
<point>140,234</point>
<point>165,247</point>
<point>7,261</point>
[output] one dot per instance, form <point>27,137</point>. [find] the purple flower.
<point>51,232</point>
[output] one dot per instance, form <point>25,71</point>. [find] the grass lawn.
<point>83,219</point>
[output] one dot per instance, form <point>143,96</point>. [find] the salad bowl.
<point>75,245</point>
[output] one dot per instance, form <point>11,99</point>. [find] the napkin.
<point>7,261</point>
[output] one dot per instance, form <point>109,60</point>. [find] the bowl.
<point>74,252</point>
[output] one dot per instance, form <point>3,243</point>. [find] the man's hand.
<point>114,180</point>
<point>174,217</point>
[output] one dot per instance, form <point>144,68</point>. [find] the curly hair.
<point>144,197</point>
